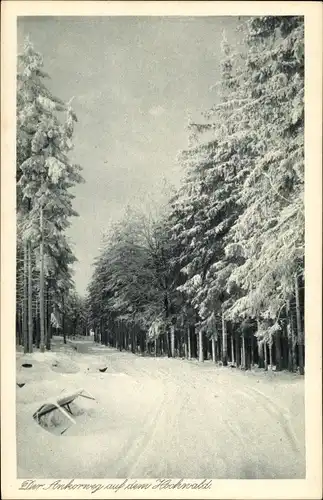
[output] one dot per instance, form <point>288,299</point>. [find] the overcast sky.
<point>135,80</point>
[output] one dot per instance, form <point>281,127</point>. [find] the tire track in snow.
<point>164,428</point>
<point>150,445</point>
<point>275,411</point>
<point>130,455</point>
<point>164,424</point>
<point>215,458</point>
<point>198,420</point>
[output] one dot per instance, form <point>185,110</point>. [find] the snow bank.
<point>158,418</point>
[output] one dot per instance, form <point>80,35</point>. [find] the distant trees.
<point>129,287</point>
<point>221,275</point>
<point>44,201</point>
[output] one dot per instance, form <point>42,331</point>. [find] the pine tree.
<point>205,208</point>
<point>45,173</point>
<point>270,231</point>
<point>226,264</point>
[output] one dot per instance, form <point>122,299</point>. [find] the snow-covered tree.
<point>44,172</point>
<point>206,205</point>
<point>269,233</point>
<point>226,261</point>
<point>238,220</point>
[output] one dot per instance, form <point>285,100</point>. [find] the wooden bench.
<point>63,405</point>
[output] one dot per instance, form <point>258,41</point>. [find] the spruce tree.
<point>270,230</point>
<point>44,172</point>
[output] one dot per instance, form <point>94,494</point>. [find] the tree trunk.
<point>201,353</point>
<point>219,347</point>
<point>116,328</point>
<point>141,346</point>
<point>283,346</point>
<point>291,339</point>
<point>195,342</point>
<point>117,338</point>
<point>30,301</point>
<point>278,351</point>
<point>167,341</point>
<point>243,353</point>
<point>172,340</point>
<point>50,326</point>
<point>189,342</point>
<point>248,354</point>
<point>237,347</point>
<point>166,309</point>
<point>25,301</point>
<point>213,350</point>
<point>131,339</point>
<point>252,361</point>
<point>102,330</point>
<point>299,329</point>
<point>50,330</point>
<point>121,333</point>
<point>37,324</point>
<point>47,329</point>
<point>271,355</point>
<point>18,329</point>
<point>41,286</point>
<point>265,355</point>
<point>206,348</point>
<point>224,342</point>
<point>185,349</point>
<point>162,344</point>
<point>134,341</point>
<point>232,349</point>
<point>63,326</point>
<point>261,355</point>
<point>261,350</point>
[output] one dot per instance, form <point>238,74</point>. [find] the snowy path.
<point>161,418</point>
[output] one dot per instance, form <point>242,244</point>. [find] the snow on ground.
<point>157,417</point>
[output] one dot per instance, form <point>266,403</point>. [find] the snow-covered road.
<point>159,417</point>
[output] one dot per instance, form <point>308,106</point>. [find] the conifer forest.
<point>207,288</point>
